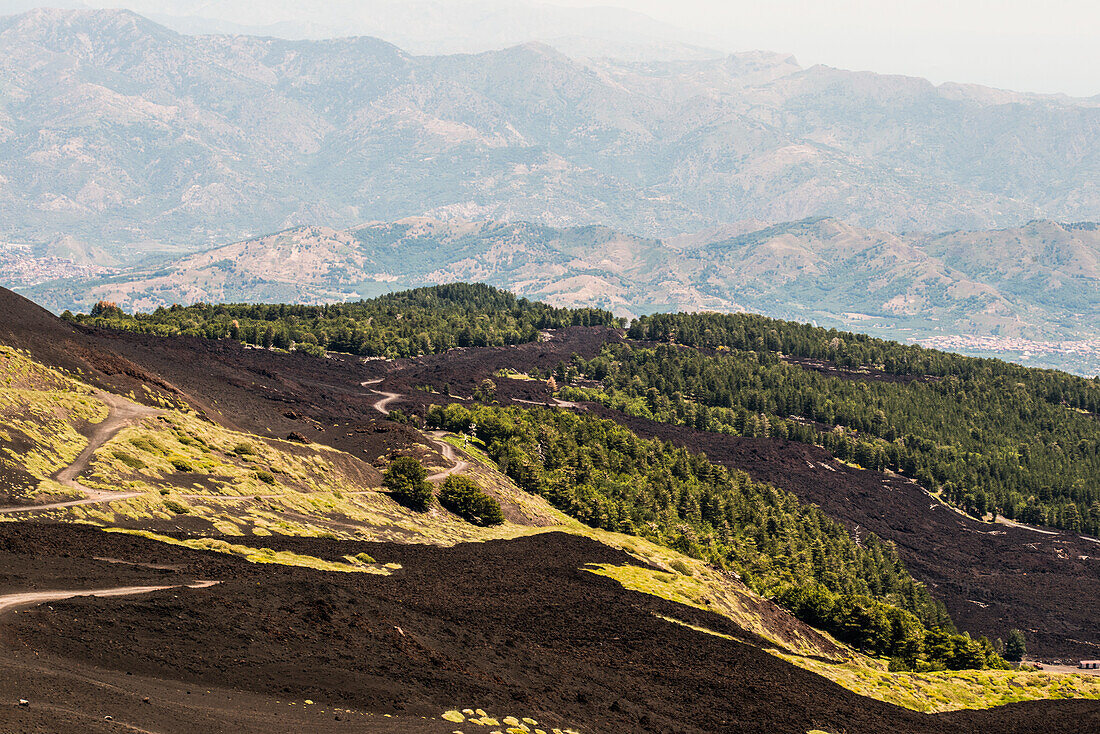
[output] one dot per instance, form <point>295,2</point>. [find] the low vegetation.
<point>934,692</point>
<point>266,555</point>
<point>42,415</point>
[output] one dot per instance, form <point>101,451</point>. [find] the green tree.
<point>406,478</point>
<point>1015,646</point>
<point>464,498</point>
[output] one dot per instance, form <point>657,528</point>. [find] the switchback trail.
<point>121,413</point>
<point>449,454</point>
<point>383,405</point>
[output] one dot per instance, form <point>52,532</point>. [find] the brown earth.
<point>513,627</point>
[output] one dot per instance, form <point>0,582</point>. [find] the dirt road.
<point>33,598</point>
<point>121,413</point>
<point>383,405</point>
<point>448,453</point>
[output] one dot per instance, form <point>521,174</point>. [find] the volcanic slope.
<point>992,577</point>
<point>516,626</point>
<point>987,575</point>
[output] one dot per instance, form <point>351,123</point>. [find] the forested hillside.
<point>990,436</point>
<point>421,321</point>
<point>607,477</point>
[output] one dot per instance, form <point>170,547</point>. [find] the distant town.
<point>21,267</point>
<point>1082,357</point>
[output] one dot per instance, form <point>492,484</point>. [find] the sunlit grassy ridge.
<point>696,584</point>
<point>267,555</point>
<point>181,451</point>
<point>926,692</point>
<point>954,690</point>
<point>41,414</point>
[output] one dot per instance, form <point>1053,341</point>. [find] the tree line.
<point>406,324</point>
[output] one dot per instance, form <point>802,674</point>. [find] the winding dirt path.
<point>1022,526</point>
<point>33,598</point>
<point>383,405</point>
<point>120,414</point>
<point>448,452</point>
<point>436,437</point>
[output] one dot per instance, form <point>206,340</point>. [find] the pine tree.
<point>1015,646</point>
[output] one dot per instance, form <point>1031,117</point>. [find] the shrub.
<point>406,478</point>
<point>182,465</point>
<point>464,498</point>
<point>680,567</point>
<point>176,507</point>
<point>148,445</point>
<point>266,477</point>
<point>131,461</point>
<point>244,449</point>
<point>312,350</point>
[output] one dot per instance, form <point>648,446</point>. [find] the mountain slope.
<point>1026,289</point>
<point>123,133</point>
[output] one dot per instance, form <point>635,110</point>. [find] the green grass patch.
<point>953,690</point>
<point>131,461</point>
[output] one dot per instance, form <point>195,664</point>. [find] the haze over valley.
<point>735,182</point>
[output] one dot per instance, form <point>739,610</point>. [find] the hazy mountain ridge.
<point>120,132</point>
<point>1036,283</point>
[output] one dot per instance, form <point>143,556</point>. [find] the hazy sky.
<point>1026,45</point>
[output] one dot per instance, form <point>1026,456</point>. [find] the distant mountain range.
<point>132,138</point>
<point>1036,283</point>
<point>423,26</point>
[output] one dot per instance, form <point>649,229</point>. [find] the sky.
<point>1026,45</point>
<point>1048,46</point>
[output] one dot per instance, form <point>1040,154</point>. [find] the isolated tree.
<point>464,498</point>
<point>406,478</point>
<point>1015,646</point>
<point>107,309</point>
<point>486,392</point>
